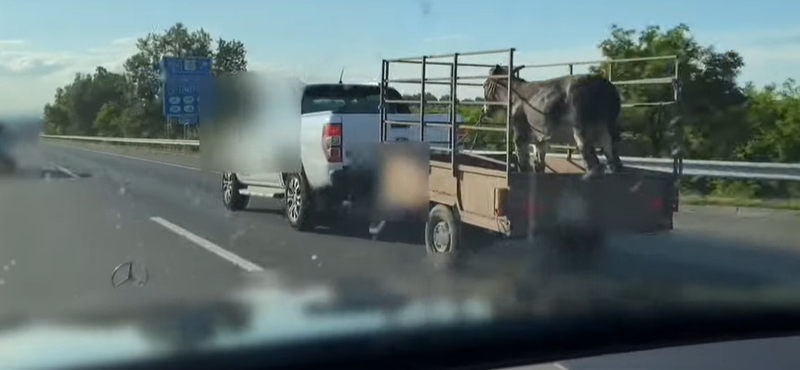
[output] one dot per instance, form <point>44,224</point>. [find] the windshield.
<point>190,178</point>
<point>349,99</point>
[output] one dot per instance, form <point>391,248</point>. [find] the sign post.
<point>187,82</point>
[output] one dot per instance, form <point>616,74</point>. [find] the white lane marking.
<point>211,247</point>
<point>65,171</point>
<point>560,366</point>
<point>140,159</point>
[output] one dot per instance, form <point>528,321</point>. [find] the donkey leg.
<point>589,154</point>
<point>610,149</point>
<point>523,146</point>
<point>540,148</point>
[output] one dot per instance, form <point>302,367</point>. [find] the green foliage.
<point>773,119</point>
<point>128,103</point>
<point>710,98</point>
<point>721,119</point>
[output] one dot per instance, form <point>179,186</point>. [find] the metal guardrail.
<point>691,167</point>
<point>126,140</point>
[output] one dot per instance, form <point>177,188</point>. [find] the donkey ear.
<point>518,68</point>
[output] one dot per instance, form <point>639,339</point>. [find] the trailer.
<point>474,189</point>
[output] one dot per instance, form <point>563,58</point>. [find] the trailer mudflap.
<point>632,201</point>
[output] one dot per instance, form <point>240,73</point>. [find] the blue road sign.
<point>186,82</point>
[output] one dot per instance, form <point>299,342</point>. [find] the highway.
<point>64,230</point>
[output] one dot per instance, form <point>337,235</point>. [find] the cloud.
<point>11,42</point>
<point>57,65</point>
<point>125,40</point>
<point>29,76</point>
<point>30,64</point>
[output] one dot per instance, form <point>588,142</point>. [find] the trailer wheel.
<point>298,198</point>
<point>443,235</point>
<point>231,198</point>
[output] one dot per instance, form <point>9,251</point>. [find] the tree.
<point>56,118</point>
<point>128,104</point>
<point>107,122</point>
<point>774,121</point>
<point>721,120</point>
<point>711,104</point>
<point>230,57</point>
<point>77,104</point>
<point>177,41</point>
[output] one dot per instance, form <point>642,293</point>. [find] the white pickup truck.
<point>339,134</point>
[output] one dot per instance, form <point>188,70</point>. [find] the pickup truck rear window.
<point>341,98</point>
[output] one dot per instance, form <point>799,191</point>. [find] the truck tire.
<point>298,202</point>
<point>443,236</point>
<point>231,198</point>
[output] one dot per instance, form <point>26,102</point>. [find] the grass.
<point>700,200</point>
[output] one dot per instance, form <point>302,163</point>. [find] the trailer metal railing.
<point>453,81</point>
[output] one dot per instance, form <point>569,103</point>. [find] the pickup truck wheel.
<point>443,236</point>
<point>231,197</point>
<point>298,198</point>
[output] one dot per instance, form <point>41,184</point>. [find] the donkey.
<point>585,107</point>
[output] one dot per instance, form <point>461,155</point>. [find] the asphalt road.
<point>75,212</point>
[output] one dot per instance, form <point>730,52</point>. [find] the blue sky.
<point>43,43</point>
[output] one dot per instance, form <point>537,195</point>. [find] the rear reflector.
<point>656,204</point>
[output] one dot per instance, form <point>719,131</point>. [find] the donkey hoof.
<point>616,168</point>
<point>593,173</point>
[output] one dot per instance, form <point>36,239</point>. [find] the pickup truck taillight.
<point>332,142</point>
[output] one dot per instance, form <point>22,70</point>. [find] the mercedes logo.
<point>129,272</point>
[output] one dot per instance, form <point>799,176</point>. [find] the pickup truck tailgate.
<point>361,134</point>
